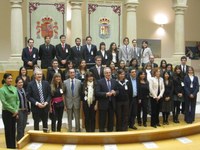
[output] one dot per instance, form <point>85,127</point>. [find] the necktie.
<point>72,87</point>
<point>184,70</point>
<point>99,71</point>
<point>22,100</point>
<point>63,47</point>
<point>30,51</point>
<point>40,92</point>
<point>47,47</point>
<point>78,48</point>
<point>109,85</point>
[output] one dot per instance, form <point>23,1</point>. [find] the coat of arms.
<point>47,27</point>
<point>104,28</point>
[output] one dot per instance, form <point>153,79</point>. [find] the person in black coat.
<point>104,54</point>
<point>89,52</point>
<point>47,53</point>
<point>143,97</point>
<point>191,87</point>
<point>106,92</point>
<point>81,71</point>
<point>53,69</point>
<point>39,94</point>
<point>113,53</point>
<point>89,102</point>
<point>63,52</point>
<point>97,70</point>
<point>23,74</point>
<point>122,102</point>
<point>178,93</point>
<point>77,53</point>
<point>30,55</point>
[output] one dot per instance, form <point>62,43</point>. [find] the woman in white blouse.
<point>157,88</point>
<point>145,53</point>
<point>113,53</point>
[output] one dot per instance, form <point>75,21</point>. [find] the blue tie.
<point>109,86</point>
<point>72,87</point>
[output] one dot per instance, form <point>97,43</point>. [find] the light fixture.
<point>160,19</point>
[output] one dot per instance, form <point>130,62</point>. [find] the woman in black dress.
<point>122,102</point>
<point>113,53</point>
<point>163,66</point>
<point>57,103</point>
<point>89,102</point>
<point>143,96</point>
<point>113,70</point>
<point>167,103</point>
<point>178,93</point>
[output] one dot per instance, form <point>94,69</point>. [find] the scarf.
<point>90,96</point>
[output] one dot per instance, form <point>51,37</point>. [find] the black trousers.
<point>133,111</point>
<point>155,109</point>
<point>106,114</point>
<point>9,127</point>
<point>90,115</point>
<point>40,114</point>
<point>190,107</point>
<point>122,110</point>
<point>56,117</point>
<point>142,107</point>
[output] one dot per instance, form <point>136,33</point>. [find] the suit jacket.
<point>51,72</point>
<point>33,94</point>
<point>77,55</point>
<point>27,56</point>
<point>105,58</point>
<point>126,55</point>
<point>46,55</point>
<point>102,89</point>
<point>131,86</point>
<point>184,73</point>
<point>191,87</point>
<point>70,100</point>
<point>137,53</point>
<point>154,65</point>
<point>111,56</point>
<point>89,57</point>
<point>96,74</point>
<point>63,54</point>
<point>153,87</point>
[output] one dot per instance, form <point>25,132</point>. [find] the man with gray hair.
<point>39,94</point>
<point>106,91</point>
<point>72,94</point>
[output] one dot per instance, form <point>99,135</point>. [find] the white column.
<point>179,8</point>
<point>131,21</point>
<point>16,29</point>
<point>76,19</point>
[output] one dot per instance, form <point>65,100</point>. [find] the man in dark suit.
<point>97,70</point>
<point>47,52</point>
<point>106,92</point>
<point>151,60</point>
<point>52,70</point>
<point>30,55</point>
<point>63,52</point>
<point>77,52</point>
<point>39,94</point>
<point>89,52</point>
<point>133,98</point>
<point>184,69</point>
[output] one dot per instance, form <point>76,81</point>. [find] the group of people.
<point>122,82</point>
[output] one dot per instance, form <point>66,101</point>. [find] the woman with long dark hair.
<point>10,106</point>
<point>143,97</point>
<point>23,73</point>
<point>104,54</point>
<point>167,103</point>
<point>178,93</point>
<point>163,66</point>
<point>89,102</point>
<point>113,53</point>
<point>57,103</point>
<point>81,71</point>
<point>24,108</point>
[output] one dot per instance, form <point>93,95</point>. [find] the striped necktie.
<point>40,92</point>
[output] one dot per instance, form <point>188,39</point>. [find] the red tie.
<point>30,50</point>
<point>63,46</point>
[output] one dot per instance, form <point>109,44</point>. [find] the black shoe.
<point>154,126</point>
<point>158,125</point>
<point>177,121</point>
<point>164,123</point>
<point>167,123</point>
<point>145,125</point>
<point>133,127</point>
<point>140,124</point>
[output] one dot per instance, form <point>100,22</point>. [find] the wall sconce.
<point>161,19</point>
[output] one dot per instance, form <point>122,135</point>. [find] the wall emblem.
<point>47,27</point>
<point>104,28</point>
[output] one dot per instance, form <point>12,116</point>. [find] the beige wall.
<point>146,11</point>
